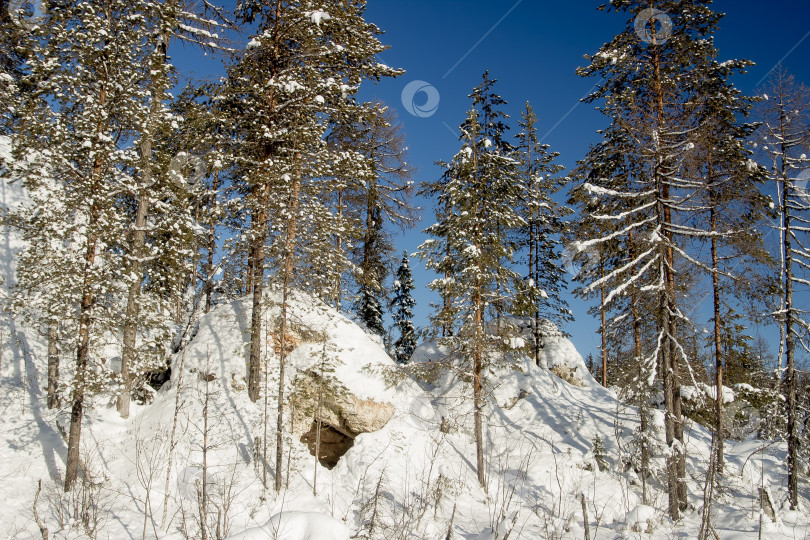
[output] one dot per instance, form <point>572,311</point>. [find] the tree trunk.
<point>82,354</point>
<point>138,241</point>
<point>603,323</point>
<point>53,365</point>
<point>129,351</point>
<point>212,246</point>
<point>676,462</point>
<point>790,344</point>
<point>289,265</point>
<point>259,227</point>
<point>643,405</point>
<point>718,349</point>
<point>477,390</point>
<point>85,320</point>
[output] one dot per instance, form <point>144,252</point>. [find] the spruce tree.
<point>402,307</point>
<point>544,217</point>
<point>476,206</point>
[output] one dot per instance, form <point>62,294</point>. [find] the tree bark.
<point>212,246</point>
<point>258,241</point>
<point>82,355</point>
<point>477,389</point>
<point>676,462</point>
<point>85,320</point>
<point>289,265</point>
<point>53,365</point>
<point>790,344</point>
<point>603,323</point>
<point>718,348</point>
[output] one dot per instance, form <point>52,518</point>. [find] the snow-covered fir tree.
<point>402,309</point>
<point>545,220</point>
<point>78,154</point>
<point>476,207</point>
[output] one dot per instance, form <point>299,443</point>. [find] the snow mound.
<point>221,344</point>
<point>298,526</point>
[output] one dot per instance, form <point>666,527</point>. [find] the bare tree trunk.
<point>790,344</point>
<point>212,246</point>
<point>643,405</point>
<point>603,323</point>
<point>82,354</point>
<point>289,264</point>
<point>339,249</point>
<point>259,227</point>
<point>718,349</point>
<point>53,365</point>
<point>676,463</point>
<point>129,351</point>
<point>85,320</point>
<point>585,516</point>
<point>478,391</point>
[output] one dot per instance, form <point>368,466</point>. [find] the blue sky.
<point>533,48</point>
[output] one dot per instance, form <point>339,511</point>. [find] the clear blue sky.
<point>533,48</point>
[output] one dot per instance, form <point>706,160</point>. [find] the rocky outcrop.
<point>327,416</point>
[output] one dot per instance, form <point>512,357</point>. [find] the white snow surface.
<point>409,480</point>
<point>298,526</point>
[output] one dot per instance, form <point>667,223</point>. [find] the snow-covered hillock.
<point>401,452</point>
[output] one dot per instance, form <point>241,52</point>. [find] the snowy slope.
<point>413,478</point>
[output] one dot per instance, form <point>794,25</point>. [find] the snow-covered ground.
<point>413,478</point>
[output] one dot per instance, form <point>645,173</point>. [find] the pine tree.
<point>305,62</point>
<point>11,65</point>
<point>89,67</point>
<point>402,307</point>
<point>721,161</point>
<point>654,91</point>
<point>786,136</point>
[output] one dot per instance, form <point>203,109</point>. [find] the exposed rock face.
<point>339,416</point>
<point>567,374</point>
